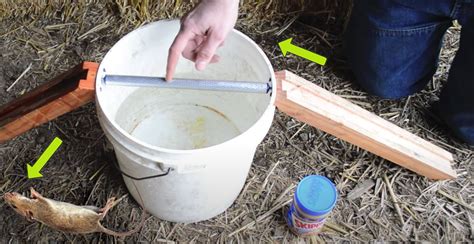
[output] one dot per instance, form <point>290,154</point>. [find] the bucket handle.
<point>139,178</point>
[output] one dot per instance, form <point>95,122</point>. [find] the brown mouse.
<point>65,216</point>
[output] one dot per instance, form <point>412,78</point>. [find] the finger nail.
<point>200,65</point>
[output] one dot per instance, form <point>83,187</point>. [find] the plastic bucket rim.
<point>140,143</point>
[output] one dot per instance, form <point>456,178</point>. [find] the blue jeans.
<point>393,48</point>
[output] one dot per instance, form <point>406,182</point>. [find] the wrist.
<point>224,2</point>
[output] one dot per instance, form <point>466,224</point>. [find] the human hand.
<point>202,31</point>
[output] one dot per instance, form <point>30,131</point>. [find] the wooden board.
<point>64,93</point>
<point>324,110</point>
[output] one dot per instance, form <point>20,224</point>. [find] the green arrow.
<point>286,46</point>
<point>34,171</point>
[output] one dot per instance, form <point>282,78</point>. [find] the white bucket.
<point>206,139</point>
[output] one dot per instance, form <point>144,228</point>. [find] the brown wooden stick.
<point>324,110</point>
<point>64,93</point>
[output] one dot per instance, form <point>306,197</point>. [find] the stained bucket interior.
<point>182,119</point>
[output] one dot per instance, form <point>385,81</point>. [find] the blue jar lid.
<point>316,195</point>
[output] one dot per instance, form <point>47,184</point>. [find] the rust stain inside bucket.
<point>165,119</point>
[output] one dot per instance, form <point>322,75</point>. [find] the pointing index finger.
<point>175,51</point>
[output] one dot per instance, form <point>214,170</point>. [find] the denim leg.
<point>393,47</point>
<point>456,104</point>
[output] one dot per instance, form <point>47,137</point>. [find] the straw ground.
<point>378,200</point>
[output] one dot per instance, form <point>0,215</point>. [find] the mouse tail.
<point>130,232</point>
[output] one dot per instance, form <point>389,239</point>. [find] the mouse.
<point>64,216</point>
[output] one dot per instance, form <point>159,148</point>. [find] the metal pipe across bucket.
<point>208,85</point>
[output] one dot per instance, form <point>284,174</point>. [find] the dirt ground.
<point>81,172</point>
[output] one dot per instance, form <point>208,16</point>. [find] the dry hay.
<point>53,36</point>
<point>139,11</point>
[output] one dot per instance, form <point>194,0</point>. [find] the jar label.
<point>302,226</point>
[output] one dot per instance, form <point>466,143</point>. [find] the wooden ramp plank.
<point>63,94</point>
<point>324,110</point>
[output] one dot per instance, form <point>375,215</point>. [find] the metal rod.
<point>211,85</point>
